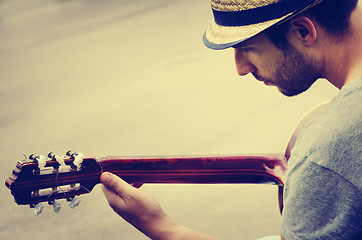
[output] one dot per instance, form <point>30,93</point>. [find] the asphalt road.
<point>118,77</point>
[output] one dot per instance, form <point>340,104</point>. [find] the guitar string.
<point>56,183</point>
<point>57,186</point>
<point>96,197</point>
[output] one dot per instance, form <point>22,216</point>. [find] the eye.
<point>246,49</point>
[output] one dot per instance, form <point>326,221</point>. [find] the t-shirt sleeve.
<point>320,204</point>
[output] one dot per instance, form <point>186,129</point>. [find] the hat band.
<point>258,15</point>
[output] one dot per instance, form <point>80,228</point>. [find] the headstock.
<point>48,178</point>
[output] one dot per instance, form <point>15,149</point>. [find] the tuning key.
<point>75,202</point>
<point>38,209</point>
<point>57,158</point>
<point>32,157</point>
<point>40,159</point>
<point>69,153</point>
<point>56,205</point>
<point>78,158</point>
<point>51,155</point>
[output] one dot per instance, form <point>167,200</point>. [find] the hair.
<point>332,15</point>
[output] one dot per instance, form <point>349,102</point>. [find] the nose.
<point>243,65</point>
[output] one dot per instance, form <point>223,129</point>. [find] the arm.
<point>143,211</point>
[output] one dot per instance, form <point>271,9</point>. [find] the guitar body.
<point>46,179</point>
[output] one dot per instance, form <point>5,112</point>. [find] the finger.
<point>110,195</point>
<point>115,184</point>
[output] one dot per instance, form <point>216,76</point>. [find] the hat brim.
<point>219,37</point>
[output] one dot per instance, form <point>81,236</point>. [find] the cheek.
<point>270,63</point>
<point>266,68</point>
<point>266,61</point>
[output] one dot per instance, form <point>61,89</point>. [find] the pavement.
<point>117,77</point>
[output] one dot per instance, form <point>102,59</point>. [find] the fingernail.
<point>105,178</point>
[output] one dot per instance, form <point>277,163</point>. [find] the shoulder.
<point>333,139</point>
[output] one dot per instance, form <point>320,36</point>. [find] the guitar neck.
<point>30,183</point>
<point>269,168</point>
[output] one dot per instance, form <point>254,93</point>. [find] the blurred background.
<point>122,77</point>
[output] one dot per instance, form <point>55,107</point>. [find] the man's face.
<point>290,70</point>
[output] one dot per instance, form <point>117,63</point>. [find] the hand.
<point>134,205</point>
<point>143,211</point>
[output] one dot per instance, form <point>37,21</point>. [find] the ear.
<point>304,29</point>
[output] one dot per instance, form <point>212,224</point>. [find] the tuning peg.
<point>40,159</point>
<point>75,202</point>
<point>51,155</point>
<point>32,157</point>
<point>56,205</point>
<point>57,158</point>
<point>38,209</point>
<point>78,158</point>
<point>69,153</point>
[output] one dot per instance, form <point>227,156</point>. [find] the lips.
<point>264,80</point>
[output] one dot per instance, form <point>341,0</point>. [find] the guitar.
<point>49,178</point>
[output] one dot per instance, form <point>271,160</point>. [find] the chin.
<point>292,92</point>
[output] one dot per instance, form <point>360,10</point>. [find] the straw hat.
<point>238,20</point>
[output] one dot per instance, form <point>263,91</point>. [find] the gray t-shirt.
<point>323,191</point>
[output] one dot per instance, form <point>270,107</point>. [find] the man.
<point>289,44</point>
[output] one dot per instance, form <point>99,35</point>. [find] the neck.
<point>343,62</point>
